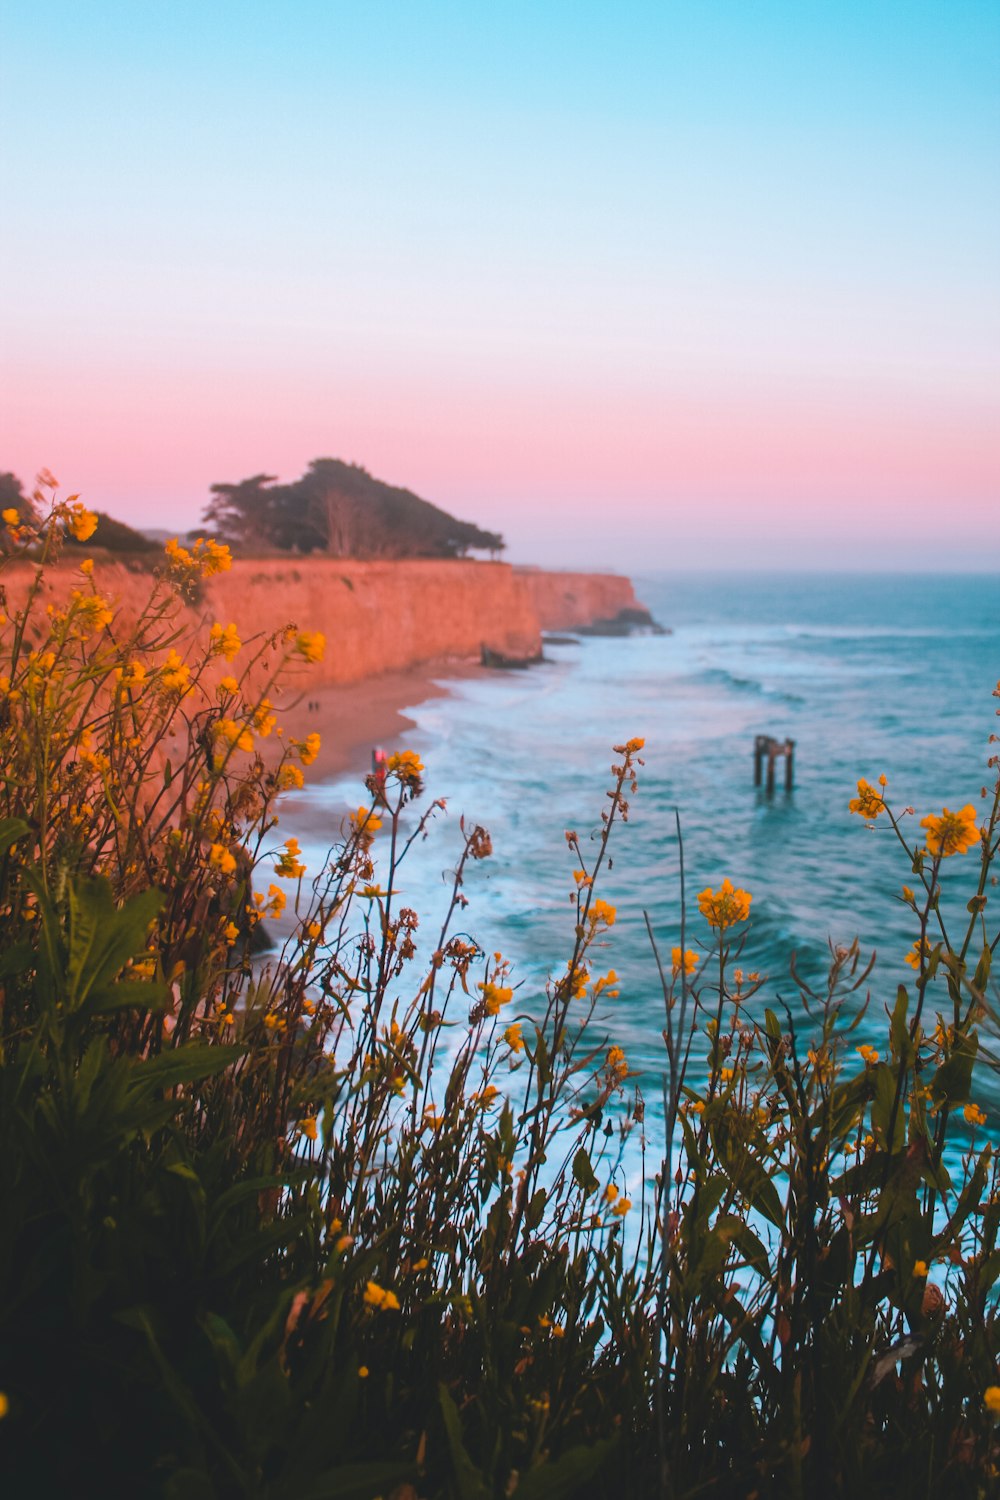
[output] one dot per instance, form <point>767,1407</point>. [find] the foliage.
<point>340,509</point>
<point>345,1224</point>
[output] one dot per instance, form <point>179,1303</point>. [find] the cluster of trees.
<point>340,509</point>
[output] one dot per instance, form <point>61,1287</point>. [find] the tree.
<point>340,509</point>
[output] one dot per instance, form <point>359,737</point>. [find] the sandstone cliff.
<point>376,616</point>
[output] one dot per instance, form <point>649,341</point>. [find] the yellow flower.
<point>407,767</point>
<point>12,517</point>
<point>495,995</point>
<point>690,960</point>
<point>512,1036</point>
<point>310,644</point>
<point>91,612</point>
<point>87,567</point>
<point>290,778</point>
<point>363,1372</point>
<point>601,912</point>
<point>724,907</point>
<point>920,1268</point>
<point>225,640</point>
<point>273,904</point>
<point>365,823</point>
<point>921,950</point>
<point>868,803</point>
<point>4,1404</point>
<point>610,1193</point>
<point>307,1127</point>
<point>237,735</point>
<point>622,1207</point>
<point>377,1297</point>
<point>616,1064</point>
<point>175,674</point>
<point>230,932</point>
<point>952,832</point>
<point>634,745</point>
<point>219,858</point>
<point>308,748</point>
<point>264,719</point>
<point>81,521</point>
<point>991,1399</point>
<point>289,866</point>
<point>868,1054</point>
<point>974,1115</point>
<point>227,685</point>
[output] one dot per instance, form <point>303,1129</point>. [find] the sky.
<point>687,283</point>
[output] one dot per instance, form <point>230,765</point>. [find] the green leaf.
<point>953,1079</point>
<point>102,937</point>
<point>899,1032</point>
<point>186,1064</point>
<point>567,1474</point>
<point>583,1172</point>
<point>468,1480</point>
<point>11,829</point>
<point>983,970</point>
<point>535,1209</point>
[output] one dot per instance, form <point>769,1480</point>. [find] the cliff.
<point>561,601</point>
<point>376,616</point>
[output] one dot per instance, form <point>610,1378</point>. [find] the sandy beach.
<point>353,718</point>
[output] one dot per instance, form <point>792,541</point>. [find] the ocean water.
<point>867,674</point>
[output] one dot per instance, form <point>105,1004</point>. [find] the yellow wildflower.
<point>622,1207</point>
<point>868,1054</point>
<point>991,1399</point>
<point>690,960</point>
<point>91,612</point>
<point>601,913</point>
<point>512,1036</point>
<point>225,640</point>
<point>237,735</point>
<point>407,767</point>
<point>495,995</point>
<point>363,1372</point>
<point>724,907</point>
<point>4,1404</point>
<point>868,803</point>
<point>289,866</point>
<point>380,1298</point>
<point>610,1193</point>
<point>616,1064</point>
<point>310,644</point>
<point>81,521</point>
<point>290,778</point>
<point>974,1115</point>
<point>308,748</point>
<point>226,685</point>
<point>366,824</point>
<point>264,718</point>
<point>175,674</point>
<point>307,1127</point>
<point>921,950</point>
<point>219,858</point>
<point>12,517</point>
<point>952,832</point>
<point>230,932</point>
<point>920,1268</point>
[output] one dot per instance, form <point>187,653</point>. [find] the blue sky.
<point>534,262</point>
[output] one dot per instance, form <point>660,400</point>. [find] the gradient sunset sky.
<point>643,285</point>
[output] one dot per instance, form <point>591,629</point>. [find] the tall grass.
<point>348,1221</point>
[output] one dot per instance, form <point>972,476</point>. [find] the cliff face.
<point>376,616</point>
<point>562,600</point>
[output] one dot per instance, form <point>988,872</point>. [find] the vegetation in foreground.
<point>354,1222</point>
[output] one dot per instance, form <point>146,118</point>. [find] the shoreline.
<point>351,719</point>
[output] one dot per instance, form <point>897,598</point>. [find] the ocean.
<point>868,674</point>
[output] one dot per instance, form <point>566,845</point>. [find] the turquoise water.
<point>867,674</point>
